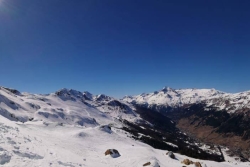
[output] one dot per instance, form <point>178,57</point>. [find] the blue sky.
<point>124,47</point>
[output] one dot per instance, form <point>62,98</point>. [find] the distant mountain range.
<point>209,115</point>
<point>168,98</point>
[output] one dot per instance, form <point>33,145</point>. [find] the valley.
<point>73,128</point>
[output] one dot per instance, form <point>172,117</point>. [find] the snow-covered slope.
<point>169,97</point>
<point>174,97</point>
<point>64,106</point>
<point>40,144</point>
<point>115,108</point>
<point>238,102</point>
<point>72,128</point>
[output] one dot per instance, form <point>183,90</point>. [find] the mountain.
<point>208,115</point>
<point>74,128</point>
<point>64,106</point>
<point>168,98</point>
<point>38,144</point>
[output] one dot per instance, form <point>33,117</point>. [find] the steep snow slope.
<point>41,144</point>
<point>169,97</point>
<point>115,108</point>
<point>64,106</point>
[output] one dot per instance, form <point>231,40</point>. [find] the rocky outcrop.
<point>113,153</point>
<point>171,154</point>
<point>147,164</point>
<point>106,128</point>
<point>197,164</point>
<point>187,162</point>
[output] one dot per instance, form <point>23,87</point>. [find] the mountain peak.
<point>176,97</point>
<point>64,92</point>
<point>167,89</point>
<point>14,91</point>
<point>102,97</point>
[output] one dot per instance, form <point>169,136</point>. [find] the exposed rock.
<point>187,162</point>
<point>113,153</point>
<point>197,164</point>
<point>14,91</point>
<point>147,164</point>
<point>102,97</point>
<point>171,154</point>
<point>106,128</point>
<point>4,158</point>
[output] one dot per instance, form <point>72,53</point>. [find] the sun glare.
<point>1,1</point>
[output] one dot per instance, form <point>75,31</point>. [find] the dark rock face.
<point>117,103</point>
<point>157,119</point>
<point>158,108</point>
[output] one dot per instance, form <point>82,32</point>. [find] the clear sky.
<point>124,47</point>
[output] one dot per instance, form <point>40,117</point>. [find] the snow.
<point>65,106</point>
<point>174,97</point>
<point>35,144</point>
<point>171,144</point>
<point>179,97</point>
<point>67,129</point>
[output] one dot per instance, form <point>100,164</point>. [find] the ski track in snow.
<point>87,113</point>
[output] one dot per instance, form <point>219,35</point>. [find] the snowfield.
<point>39,144</point>
<point>73,129</point>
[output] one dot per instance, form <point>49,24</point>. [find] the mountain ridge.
<point>172,98</point>
<point>82,109</point>
<point>167,97</point>
<point>141,122</point>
